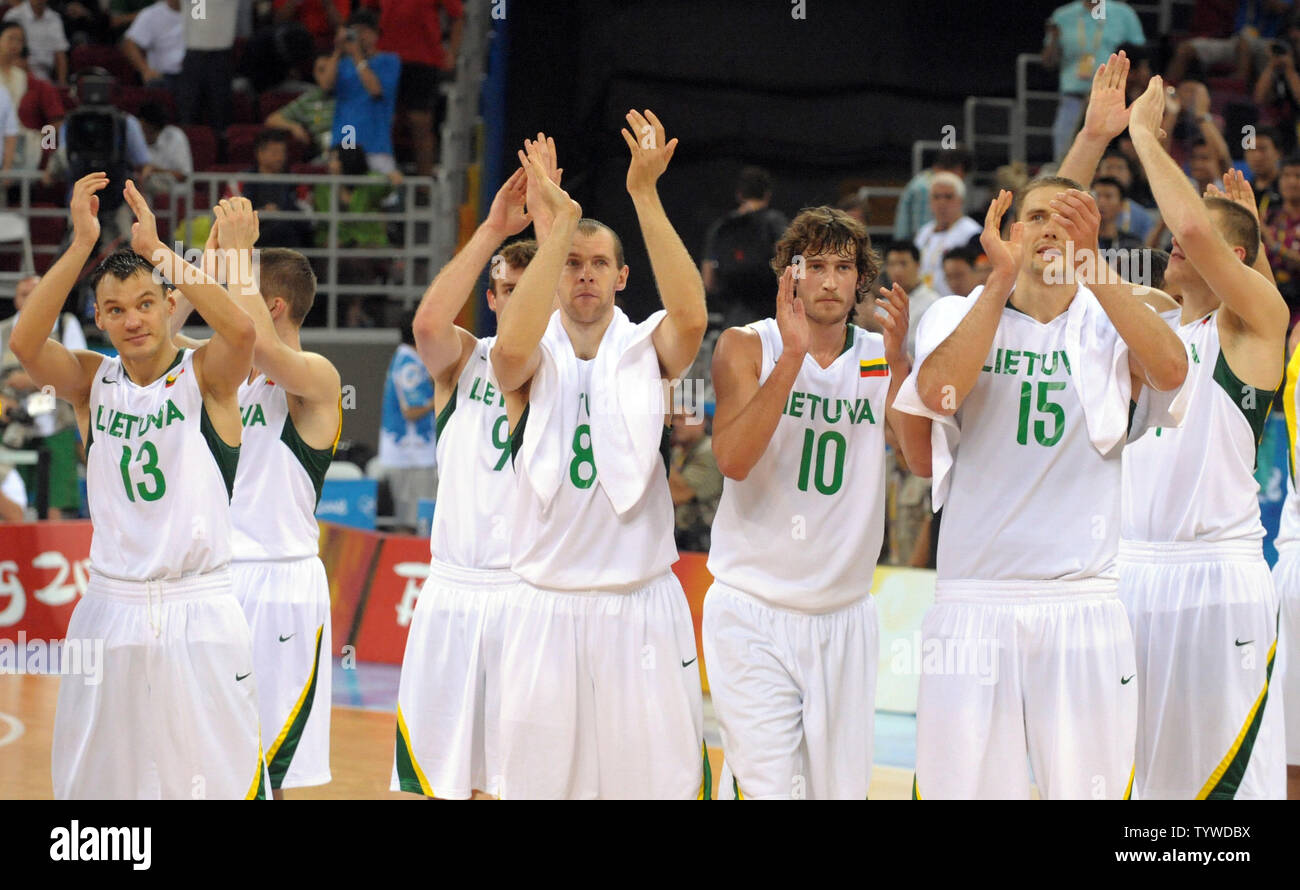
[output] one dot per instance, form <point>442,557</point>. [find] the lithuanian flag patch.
<point>876,367</point>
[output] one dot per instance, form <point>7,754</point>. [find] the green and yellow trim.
<point>282,749</point>
<point>1226,778</point>
<point>706,780</point>
<point>1128,791</point>
<point>257,790</point>
<point>1289,408</point>
<point>916,794</point>
<point>409,775</point>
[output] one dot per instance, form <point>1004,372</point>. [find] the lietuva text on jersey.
<point>1017,361</point>
<point>806,404</point>
<point>482,391</point>
<point>118,424</point>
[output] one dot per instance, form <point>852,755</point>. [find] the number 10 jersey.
<point>804,529</point>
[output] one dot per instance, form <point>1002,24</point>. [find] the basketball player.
<point>1025,386</point>
<point>291,408</point>
<point>447,700</point>
<point>601,690</point>
<point>1192,571</point>
<point>1286,578</point>
<point>176,714</point>
<point>790,632</point>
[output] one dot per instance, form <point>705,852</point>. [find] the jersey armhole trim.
<point>445,414</point>
<point>226,456</point>
<point>315,461</point>
<point>517,435</point>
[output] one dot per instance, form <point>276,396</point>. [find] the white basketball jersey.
<point>1197,482</point>
<point>804,529</point>
<point>1031,499</point>
<point>158,477</point>
<point>1288,530</point>
<point>279,481</point>
<point>579,542</point>
<point>476,478</point>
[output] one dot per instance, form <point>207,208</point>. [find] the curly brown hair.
<point>827,230</point>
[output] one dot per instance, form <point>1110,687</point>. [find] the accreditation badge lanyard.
<point>1083,70</point>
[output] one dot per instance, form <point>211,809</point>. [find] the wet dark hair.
<point>122,264</point>
<point>828,230</point>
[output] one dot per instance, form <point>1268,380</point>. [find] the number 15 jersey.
<point>1030,497</point>
<point>804,528</point>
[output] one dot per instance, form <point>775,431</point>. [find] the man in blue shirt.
<point>365,89</point>
<point>407,438</point>
<point>1080,36</point>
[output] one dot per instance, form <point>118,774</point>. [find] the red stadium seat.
<point>309,169</point>
<point>242,108</point>
<point>129,99</point>
<point>239,143</point>
<point>89,55</point>
<point>203,145</point>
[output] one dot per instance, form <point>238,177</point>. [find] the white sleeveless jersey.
<point>1288,530</point>
<point>804,528</point>
<point>580,542</point>
<point>158,477</point>
<point>1197,482</point>
<point>279,481</point>
<point>1031,498</point>
<point>476,478</point>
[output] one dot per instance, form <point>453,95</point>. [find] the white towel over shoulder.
<point>627,410</point>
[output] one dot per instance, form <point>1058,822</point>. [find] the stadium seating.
<point>203,145</point>
<point>110,58</point>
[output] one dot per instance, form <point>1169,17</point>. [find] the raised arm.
<point>46,360</point>
<point>517,351</point>
<point>950,372</point>
<point>442,345</point>
<point>1250,300</point>
<point>1156,353</point>
<point>1237,188</point>
<point>747,414</point>
<point>894,323</point>
<point>543,148</point>
<point>678,337</point>
<point>1105,119</point>
<point>309,376</point>
<point>226,359</point>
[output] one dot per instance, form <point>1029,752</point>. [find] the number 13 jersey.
<point>158,477</point>
<point>1030,498</point>
<point>804,528</point>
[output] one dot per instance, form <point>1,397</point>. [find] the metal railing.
<point>417,219</point>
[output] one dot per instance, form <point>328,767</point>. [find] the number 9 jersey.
<point>804,529</point>
<point>158,477</point>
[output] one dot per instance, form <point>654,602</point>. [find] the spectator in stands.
<point>170,160</point>
<point>9,133</point>
<point>368,233</point>
<point>155,44</point>
<point>1281,234</point>
<point>365,91</point>
<point>694,481</point>
<point>310,117</point>
<point>947,230</point>
<point>1251,38</point>
<point>856,205</point>
<point>1263,154</point>
<point>903,265</point>
<point>1204,165</point>
<point>122,13</point>
<point>1109,194</point>
<point>37,101</point>
<point>85,22</point>
<point>1080,35</point>
<point>278,55</point>
<point>959,271</point>
<point>53,431</point>
<point>321,18</point>
<point>407,441</point>
<point>1277,91</point>
<point>1133,217</point>
<point>203,94</point>
<point>913,209</point>
<point>271,153</point>
<point>738,249</point>
<point>46,41</point>
<point>413,30</point>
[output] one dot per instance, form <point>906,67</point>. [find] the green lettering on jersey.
<point>253,416</point>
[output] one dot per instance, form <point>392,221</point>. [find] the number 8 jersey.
<point>804,529</point>
<point>476,480</point>
<point>158,477</point>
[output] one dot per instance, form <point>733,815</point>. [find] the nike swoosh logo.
<point>106,380</point>
<point>239,677</point>
<point>285,639</point>
<point>1240,643</point>
<point>1123,681</point>
<point>689,663</point>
